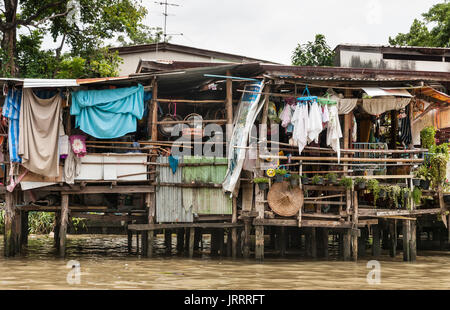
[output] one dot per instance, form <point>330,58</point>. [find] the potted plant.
<point>317,180</point>
<point>331,178</point>
<point>263,183</point>
<point>404,196</point>
<point>417,195</point>
<point>347,182</point>
<point>438,168</point>
<point>279,175</point>
<point>427,135</point>
<point>294,180</point>
<point>394,192</point>
<point>423,173</point>
<point>374,187</point>
<point>361,183</point>
<point>305,180</point>
<point>383,192</point>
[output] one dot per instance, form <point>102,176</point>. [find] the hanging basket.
<point>285,200</point>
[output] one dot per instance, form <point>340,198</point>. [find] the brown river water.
<point>105,264</point>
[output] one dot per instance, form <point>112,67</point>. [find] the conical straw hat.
<point>285,200</point>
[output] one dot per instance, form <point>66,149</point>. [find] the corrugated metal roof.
<point>206,200</point>
<point>169,199</point>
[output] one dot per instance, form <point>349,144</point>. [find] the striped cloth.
<point>11,110</point>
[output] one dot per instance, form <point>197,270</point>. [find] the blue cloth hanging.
<point>110,113</point>
<point>11,110</point>
<point>173,163</point>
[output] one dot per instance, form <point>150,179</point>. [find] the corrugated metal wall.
<point>206,200</point>
<point>169,199</point>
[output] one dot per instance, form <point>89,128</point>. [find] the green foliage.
<point>294,177</point>
<point>40,222</point>
<point>360,181</point>
<point>347,182</point>
<point>332,177</point>
<point>100,21</point>
<point>317,180</point>
<point>438,168</point>
<point>427,135</point>
<point>260,180</point>
<point>417,195</point>
<point>280,171</point>
<point>405,194</point>
<point>374,187</point>
<point>316,53</point>
<point>423,172</point>
<point>78,223</point>
<point>2,222</point>
<point>420,35</point>
<point>394,192</point>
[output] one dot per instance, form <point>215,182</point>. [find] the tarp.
<point>110,113</point>
<point>377,92</point>
<point>244,120</point>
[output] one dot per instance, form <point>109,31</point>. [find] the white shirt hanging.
<point>314,122</point>
<point>300,122</point>
<point>334,132</point>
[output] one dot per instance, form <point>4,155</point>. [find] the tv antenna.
<point>166,4</point>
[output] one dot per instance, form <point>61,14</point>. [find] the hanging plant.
<point>438,169</point>
<point>417,195</point>
<point>404,196</point>
<point>361,183</point>
<point>331,178</point>
<point>383,192</point>
<point>374,187</point>
<point>263,183</point>
<point>427,135</point>
<point>394,192</point>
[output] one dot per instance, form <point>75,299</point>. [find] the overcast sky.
<point>271,29</point>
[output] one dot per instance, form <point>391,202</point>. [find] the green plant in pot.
<point>317,180</point>
<point>423,173</point>
<point>383,192</point>
<point>279,175</point>
<point>263,183</point>
<point>374,187</point>
<point>346,182</point>
<point>360,183</point>
<point>438,169</point>
<point>332,178</point>
<point>294,180</point>
<point>305,180</point>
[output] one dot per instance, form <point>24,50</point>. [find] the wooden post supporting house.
<point>24,228</point>
<point>150,203</point>
<point>168,240</point>
<point>412,244</point>
<point>247,228</point>
<point>355,230</point>
<point>347,236</point>
<point>234,236</point>
<point>325,235</point>
<point>393,238</point>
<point>63,225</point>
<point>191,241</point>
<point>180,240</point>
<point>10,214</point>
<point>376,241</point>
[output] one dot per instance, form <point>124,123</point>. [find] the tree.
<point>419,33</point>
<point>316,53</point>
<point>80,27</point>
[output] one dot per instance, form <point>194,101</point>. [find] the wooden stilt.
<point>347,237</point>
<point>137,243</point>
<point>186,241</point>
<point>197,239</point>
<point>56,229</point>
<point>362,243</point>
<point>150,243</point>
<point>180,240</point>
<point>325,242</point>
<point>406,238</point>
<point>376,241</point>
<point>17,227</point>
<point>191,241</point>
<point>144,243</point>
<point>168,241</point>
<point>282,241</point>
<point>259,242</point>
<point>247,228</point>
<point>129,241</point>
<point>64,222</point>
<point>313,243</point>
<point>221,236</point>
<point>412,242</point>
<point>229,244</point>
<point>10,214</point>
<point>355,230</point>
<point>393,238</point>
<point>215,242</point>
<point>234,236</point>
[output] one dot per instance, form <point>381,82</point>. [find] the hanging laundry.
<point>72,167</point>
<point>334,132</point>
<point>314,122</point>
<point>354,130</point>
<point>63,146</point>
<point>78,145</point>
<point>11,110</point>
<point>173,163</point>
<point>325,115</point>
<point>38,139</point>
<point>300,122</point>
<point>286,115</point>
<point>110,113</point>
<point>405,128</point>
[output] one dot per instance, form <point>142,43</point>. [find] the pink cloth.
<point>78,144</point>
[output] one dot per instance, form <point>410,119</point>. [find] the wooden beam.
<point>153,128</point>
<point>64,222</point>
<point>182,225</point>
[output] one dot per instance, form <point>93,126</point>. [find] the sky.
<point>271,29</point>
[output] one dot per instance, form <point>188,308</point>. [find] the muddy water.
<point>105,264</point>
